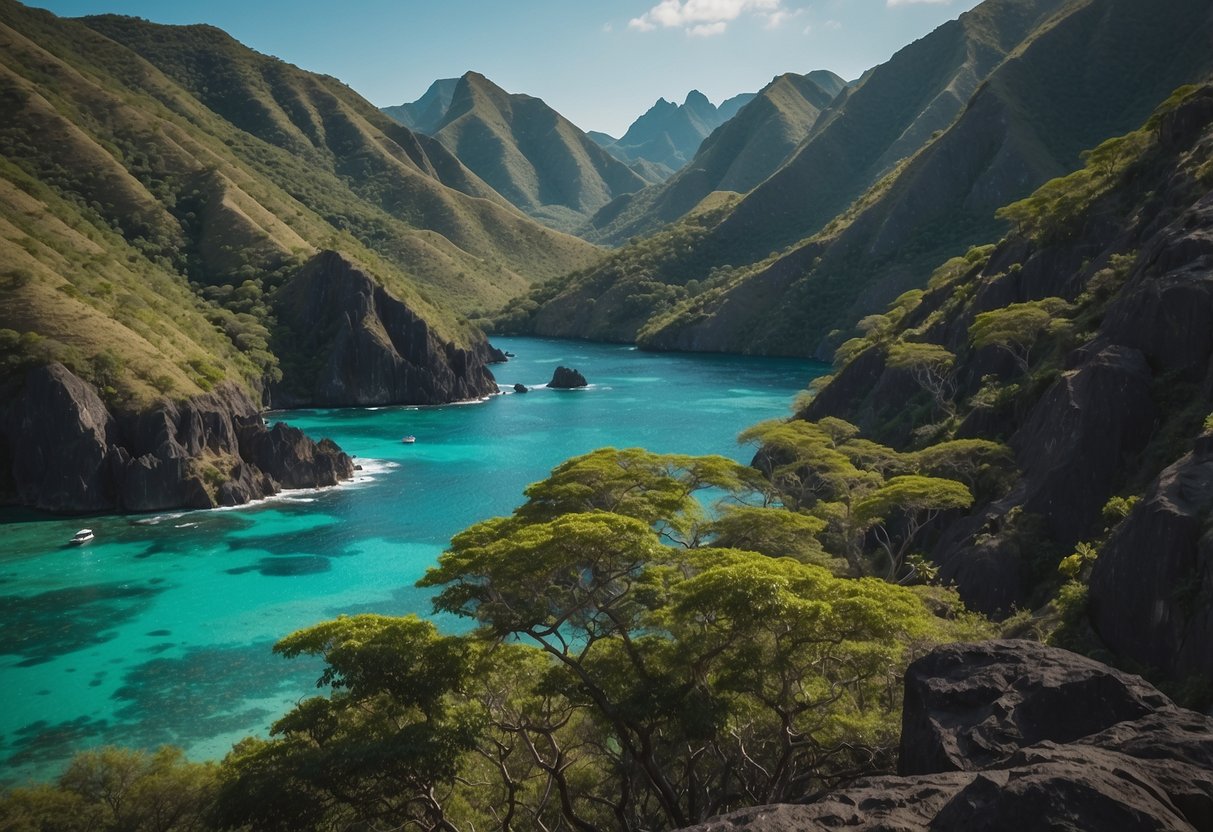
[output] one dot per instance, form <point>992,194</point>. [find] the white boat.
<point>81,537</point>
<point>409,440</point>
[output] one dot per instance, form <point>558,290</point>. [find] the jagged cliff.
<point>347,341</point>
<point>63,450</point>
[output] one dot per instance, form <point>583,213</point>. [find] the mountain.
<point>908,167</point>
<point>1029,121</point>
<point>168,198</point>
<point>1084,341</point>
<point>530,154</point>
<point>669,134</point>
<point>426,113</point>
<point>737,156</point>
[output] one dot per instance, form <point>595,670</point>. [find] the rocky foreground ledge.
<point>62,450</point>
<point>1013,735</point>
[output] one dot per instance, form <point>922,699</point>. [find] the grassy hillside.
<point>533,156</point>
<point>152,203</point>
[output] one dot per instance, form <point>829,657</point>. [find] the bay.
<point>160,631</point>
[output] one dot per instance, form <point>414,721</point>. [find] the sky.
<point>601,63</point>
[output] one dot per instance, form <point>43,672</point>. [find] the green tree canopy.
<point>1016,328</point>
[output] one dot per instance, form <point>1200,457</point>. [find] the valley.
<point>882,497</point>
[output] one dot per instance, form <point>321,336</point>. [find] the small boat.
<point>81,537</point>
<point>409,440</point>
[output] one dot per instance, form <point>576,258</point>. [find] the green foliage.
<point>1017,328</point>
<point>120,790</point>
<point>1077,566</point>
<point>614,680</point>
<point>986,467</point>
<point>374,751</point>
<point>932,368</point>
<point>1118,508</point>
<point>899,509</point>
<point>1055,207</point>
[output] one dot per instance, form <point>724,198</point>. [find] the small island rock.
<point>521,388</point>
<point>566,378</point>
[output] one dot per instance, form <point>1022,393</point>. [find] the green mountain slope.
<point>1027,123</point>
<point>153,205</point>
<point>533,156</point>
<point>1057,82</point>
<point>426,113</point>
<point>737,156</point>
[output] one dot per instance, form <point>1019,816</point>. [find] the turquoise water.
<point>160,630</point>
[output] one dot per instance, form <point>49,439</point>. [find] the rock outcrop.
<point>1011,735</point>
<point>347,341</point>
<point>566,378</point>
<point>1151,591</point>
<point>67,452</point>
<point>521,388</point>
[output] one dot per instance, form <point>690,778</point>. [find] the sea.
<point>160,630</point>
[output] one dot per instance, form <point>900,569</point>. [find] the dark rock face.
<point>521,388</point>
<point>70,454</point>
<point>566,378</point>
<point>970,707</point>
<point>1012,735</point>
<point>59,431</point>
<point>1151,592</point>
<point>346,341</point>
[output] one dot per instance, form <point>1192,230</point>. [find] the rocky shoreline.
<point>63,450</point>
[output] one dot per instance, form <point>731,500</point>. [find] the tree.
<point>932,368</point>
<point>383,748</point>
<point>118,789</point>
<point>1015,329</point>
<point>620,676</point>
<point>775,532</point>
<point>984,466</point>
<point>897,511</point>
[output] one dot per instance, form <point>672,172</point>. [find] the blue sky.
<point>599,62</point>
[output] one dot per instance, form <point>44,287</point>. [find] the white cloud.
<point>705,17</point>
<point>781,16</point>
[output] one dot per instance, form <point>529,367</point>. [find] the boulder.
<point>566,378</point>
<point>521,388</point>
<point>1012,735</point>
<point>970,707</point>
